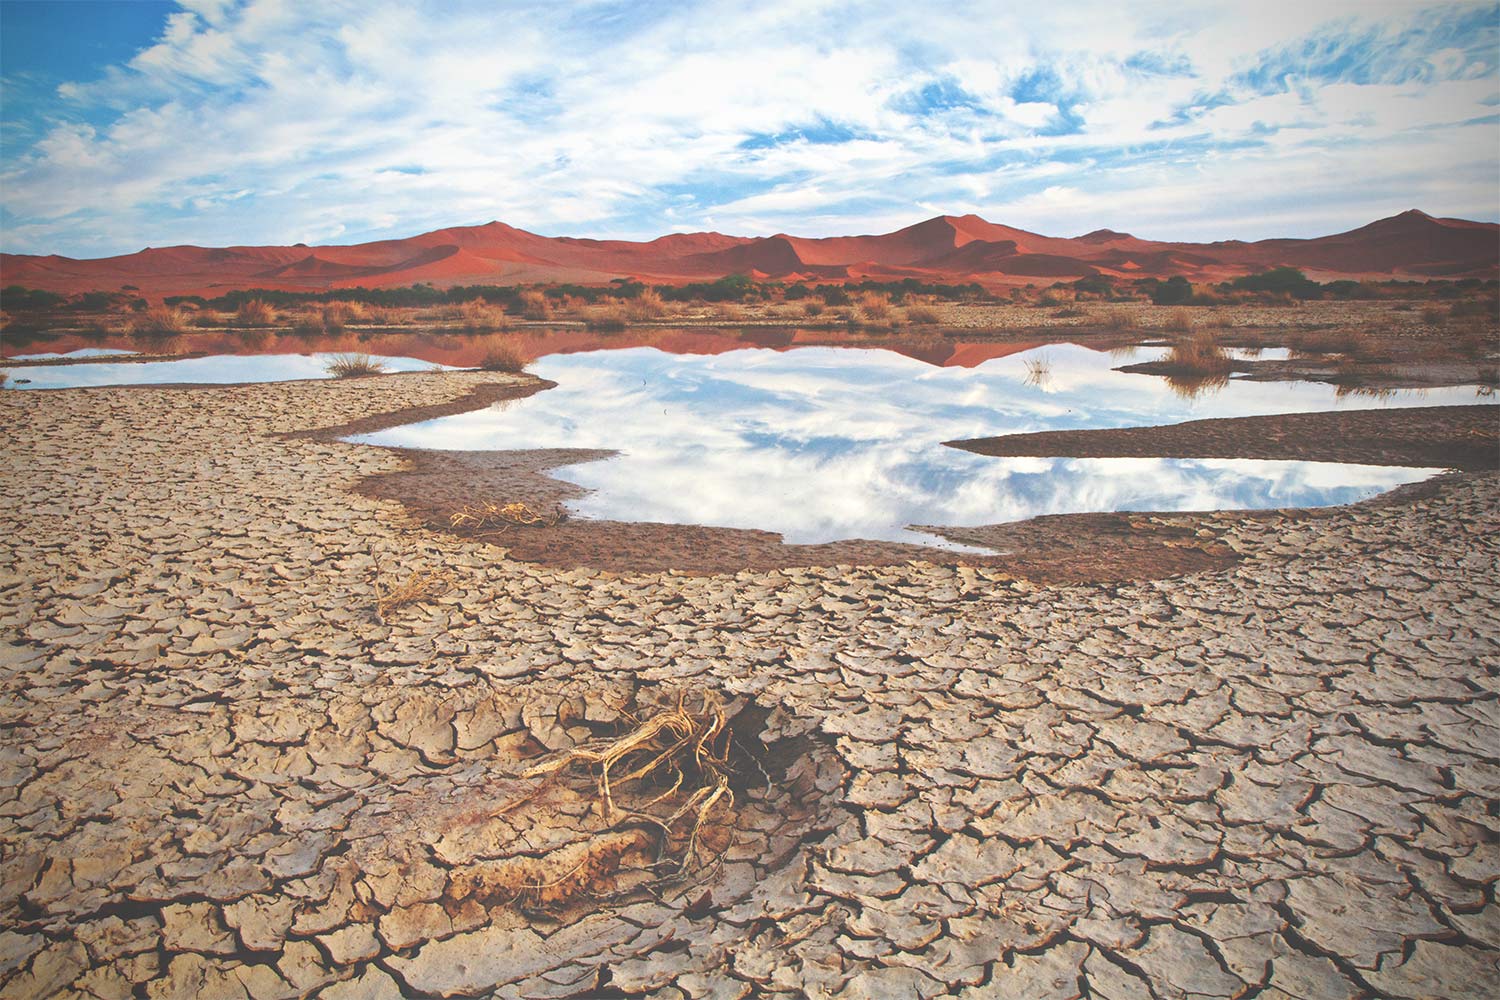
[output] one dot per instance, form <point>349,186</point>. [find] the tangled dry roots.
<point>419,587</point>
<point>478,516</point>
<point>667,774</point>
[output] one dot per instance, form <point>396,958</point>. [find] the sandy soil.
<point>221,775</point>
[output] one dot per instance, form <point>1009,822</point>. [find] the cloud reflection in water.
<point>823,444</point>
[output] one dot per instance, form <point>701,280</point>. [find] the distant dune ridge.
<point>951,249</point>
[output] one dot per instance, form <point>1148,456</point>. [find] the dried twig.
<point>477,516</point>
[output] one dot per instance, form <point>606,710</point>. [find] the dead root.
<point>420,586</point>
<point>657,787</point>
<point>476,517</point>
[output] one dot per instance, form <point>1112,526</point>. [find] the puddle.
<point>82,352</point>
<point>828,444</point>
<point>220,370</point>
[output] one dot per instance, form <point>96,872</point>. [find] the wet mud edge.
<point>1063,548</point>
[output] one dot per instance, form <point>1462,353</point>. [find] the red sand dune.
<point>952,249</point>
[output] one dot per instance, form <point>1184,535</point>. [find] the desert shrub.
<point>534,304</point>
<point>206,319</point>
<point>813,307</point>
<point>924,315</point>
<point>1069,312</point>
<point>728,310</point>
<point>1053,297</point>
<point>479,315</point>
<point>647,305</point>
<point>833,295</point>
<point>1175,291</point>
<point>1280,281</point>
<point>160,322</point>
<point>503,358</point>
<point>353,366</point>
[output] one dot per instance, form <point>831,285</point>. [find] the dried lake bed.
<point>225,775</point>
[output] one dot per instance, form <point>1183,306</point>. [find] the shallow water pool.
<point>226,369</point>
<point>825,444</point>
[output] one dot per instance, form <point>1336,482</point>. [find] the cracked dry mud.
<point>221,776</point>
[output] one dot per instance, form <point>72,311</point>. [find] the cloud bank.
<point>270,121</point>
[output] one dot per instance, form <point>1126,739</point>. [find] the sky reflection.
<point>221,370</point>
<point>822,444</point>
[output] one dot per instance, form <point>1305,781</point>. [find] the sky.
<point>224,122</point>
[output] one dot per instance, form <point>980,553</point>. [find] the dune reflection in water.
<point>823,444</point>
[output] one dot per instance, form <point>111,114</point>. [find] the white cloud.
<point>268,120</point>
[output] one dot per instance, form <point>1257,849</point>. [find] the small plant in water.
<point>1038,370</point>
<point>353,366</point>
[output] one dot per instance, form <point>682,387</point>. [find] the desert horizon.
<point>951,249</point>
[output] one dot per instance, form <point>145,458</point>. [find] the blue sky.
<point>218,122</point>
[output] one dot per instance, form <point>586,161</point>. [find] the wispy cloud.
<point>270,121</point>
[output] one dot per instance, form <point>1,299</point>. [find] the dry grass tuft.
<point>254,313</point>
<point>923,315</point>
<point>534,304</point>
<point>420,586</point>
<point>1119,318</point>
<point>388,315</point>
<point>606,317</point>
<point>353,366</point>
<point>1180,321</point>
<point>477,517</point>
<point>813,307</point>
<point>160,322</point>
<point>648,305</point>
<point>504,358</point>
<point>1199,355</point>
<point>480,316</point>
<point>337,315</point>
<point>873,306</point>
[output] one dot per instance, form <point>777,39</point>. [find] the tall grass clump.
<point>160,322</point>
<point>1199,354</point>
<point>387,315</point>
<point>647,305</point>
<point>254,313</point>
<point>337,315</point>
<point>534,304</point>
<point>1180,321</point>
<point>353,366</point>
<point>478,315</point>
<point>503,358</point>
<point>923,315</point>
<point>873,306</point>
<point>1119,318</point>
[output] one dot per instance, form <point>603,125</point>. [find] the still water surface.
<point>824,444</point>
